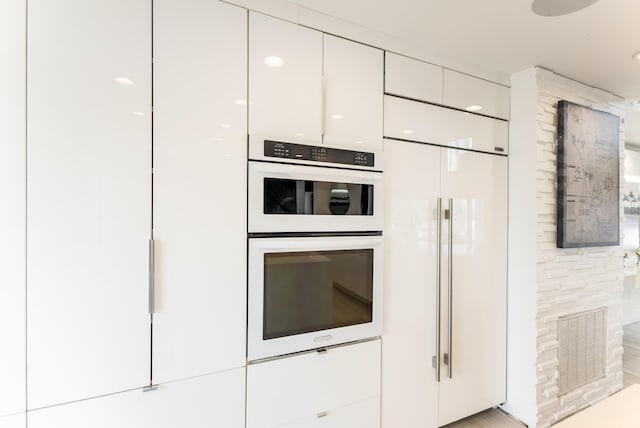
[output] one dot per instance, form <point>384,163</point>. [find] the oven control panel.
<point>277,149</point>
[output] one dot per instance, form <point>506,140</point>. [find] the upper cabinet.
<point>200,184</point>
<point>421,81</point>
<point>353,84</point>
<point>408,77</point>
<point>426,123</point>
<point>311,87</point>
<point>285,80</point>
<point>481,96</point>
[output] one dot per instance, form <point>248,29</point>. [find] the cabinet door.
<point>353,79</point>
<point>14,421</point>
<point>415,121</point>
<point>296,388</point>
<point>285,80</point>
<point>200,162</point>
<point>363,414</point>
<point>12,200</point>
<point>89,198</point>
<point>411,78</point>
<point>471,93</point>
<point>201,402</point>
<point>412,187</point>
<point>477,186</point>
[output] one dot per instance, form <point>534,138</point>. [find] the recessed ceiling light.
<point>473,108</point>
<point>241,102</point>
<point>299,134</point>
<point>559,7</point>
<point>408,131</point>
<point>137,113</point>
<point>337,116</point>
<point>636,56</point>
<point>225,125</point>
<point>274,61</point>
<point>359,142</point>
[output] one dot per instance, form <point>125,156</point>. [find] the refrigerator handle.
<point>450,291</point>
<point>437,358</point>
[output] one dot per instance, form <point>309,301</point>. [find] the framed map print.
<point>588,177</point>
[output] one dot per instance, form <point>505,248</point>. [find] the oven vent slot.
<point>582,348</point>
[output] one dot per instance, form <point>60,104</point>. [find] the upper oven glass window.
<point>305,197</point>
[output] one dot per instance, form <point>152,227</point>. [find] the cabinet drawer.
<point>363,414</point>
<point>411,78</point>
<point>465,92</point>
<point>415,121</point>
<point>300,387</point>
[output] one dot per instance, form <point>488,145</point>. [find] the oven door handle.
<point>310,243</point>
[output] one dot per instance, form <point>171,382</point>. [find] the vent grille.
<point>581,350</point>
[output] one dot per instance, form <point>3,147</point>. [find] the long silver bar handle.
<point>323,113</point>
<point>437,359</point>
<point>450,291</point>
<point>152,279</point>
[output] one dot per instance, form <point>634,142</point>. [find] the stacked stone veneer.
<point>570,280</point>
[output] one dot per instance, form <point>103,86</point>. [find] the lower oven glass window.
<point>316,290</point>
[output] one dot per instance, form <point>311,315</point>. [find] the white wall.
<point>564,281</point>
<point>521,351</point>
<point>12,204</point>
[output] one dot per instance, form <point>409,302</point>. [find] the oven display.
<point>277,149</point>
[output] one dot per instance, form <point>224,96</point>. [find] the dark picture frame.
<point>588,206</point>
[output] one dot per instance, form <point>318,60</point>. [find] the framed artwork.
<point>588,177</point>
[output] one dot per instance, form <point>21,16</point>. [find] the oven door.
<point>311,292</point>
<point>300,198</point>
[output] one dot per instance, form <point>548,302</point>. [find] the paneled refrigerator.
<point>444,337</point>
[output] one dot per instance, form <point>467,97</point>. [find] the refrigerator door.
<point>412,187</point>
<point>473,264</point>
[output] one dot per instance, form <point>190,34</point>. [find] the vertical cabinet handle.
<point>450,292</point>
<point>152,279</point>
<point>323,107</point>
<point>436,359</point>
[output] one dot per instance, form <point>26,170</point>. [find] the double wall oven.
<point>315,247</point>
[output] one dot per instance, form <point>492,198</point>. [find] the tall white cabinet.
<point>12,214</point>
<point>313,87</point>
<point>445,284</point>
<point>199,204</point>
<point>89,198</point>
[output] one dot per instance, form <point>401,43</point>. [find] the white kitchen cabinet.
<point>200,162</point>
<point>89,198</point>
<point>353,80</point>
<point>411,78</point>
<point>471,93</point>
<point>14,421</point>
<point>312,87</point>
<point>285,80</point>
<point>200,402</point>
<point>363,414</point>
<point>295,389</point>
<point>416,121</point>
<point>13,200</point>
<point>445,284</point>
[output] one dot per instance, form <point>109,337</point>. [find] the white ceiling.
<point>593,46</point>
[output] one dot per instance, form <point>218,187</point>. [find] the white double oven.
<point>315,247</point>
